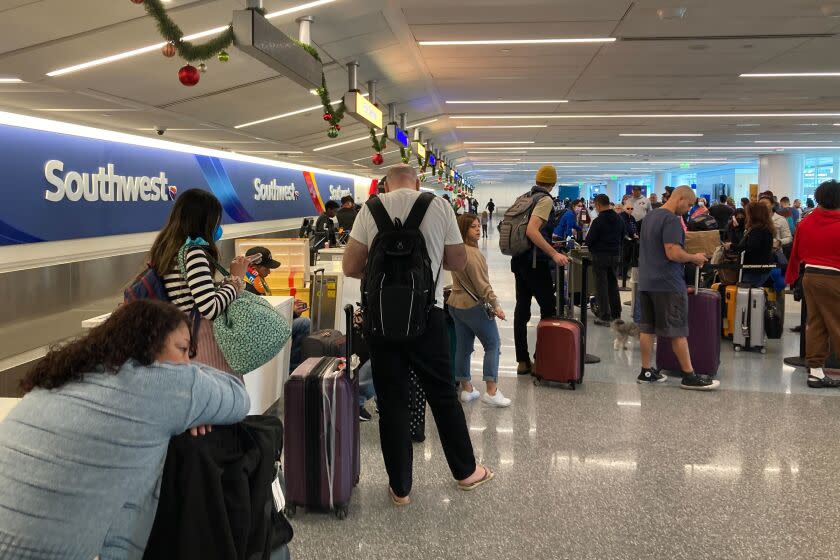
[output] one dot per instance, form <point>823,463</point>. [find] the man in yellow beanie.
<point>533,269</point>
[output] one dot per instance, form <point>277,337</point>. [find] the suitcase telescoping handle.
<point>348,319</point>
<point>319,298</point>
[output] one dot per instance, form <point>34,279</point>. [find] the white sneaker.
<point>468,397</point>
<point>498,399</point>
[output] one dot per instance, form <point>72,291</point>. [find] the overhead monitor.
<point>432,160</point>
<point>398,135</point>
<point>362,110</point>
<point>420,150</point>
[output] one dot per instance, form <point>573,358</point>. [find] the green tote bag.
<point>249,332</point>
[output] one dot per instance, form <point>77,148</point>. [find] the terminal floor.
<point>614,470</point>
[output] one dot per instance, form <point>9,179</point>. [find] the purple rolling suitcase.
<point>321,419</point>
<point>704,320</point>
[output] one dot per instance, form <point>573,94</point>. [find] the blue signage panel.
<point>432,160</point>
<point>58,186</point>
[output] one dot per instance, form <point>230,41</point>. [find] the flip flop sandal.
<point>396,500</point>
<point>488,476</point>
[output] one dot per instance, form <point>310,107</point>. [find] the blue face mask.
<point>217,234</point>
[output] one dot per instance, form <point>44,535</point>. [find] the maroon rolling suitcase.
<point>704,320</point>
<point>321,419</point>
<point>561,341</point>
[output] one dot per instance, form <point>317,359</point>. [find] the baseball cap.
<point>266,257</point>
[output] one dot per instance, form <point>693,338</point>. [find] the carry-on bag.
<point>321,418</point>
<point>321,342</point>
<point>750,308</point>
<point>561,341</point>
<point>728,294</point>
<point>703,333</point>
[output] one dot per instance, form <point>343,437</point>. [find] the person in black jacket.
<point>346,215</point>
<point>604,240</point>
<point>722,212</point>
<point>757,243</point>
<point>631,238</point>
<point>325,226</point>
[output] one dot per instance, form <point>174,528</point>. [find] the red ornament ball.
<point>377,159</point>
<point>327,116</point>
<point>338,126</point>
<point>138,1</point>
<point>189,75</point>
<point>169,50</point>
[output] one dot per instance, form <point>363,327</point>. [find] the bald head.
<point>401,176</point>
<point>681,200</point>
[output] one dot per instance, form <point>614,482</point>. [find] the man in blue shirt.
<point>663,296</point>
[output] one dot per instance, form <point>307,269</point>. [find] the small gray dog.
<point>623,332</point>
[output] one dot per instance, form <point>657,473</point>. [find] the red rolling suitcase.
<point>704,320</point>
<point>561,341</point>
<point>321,419</point>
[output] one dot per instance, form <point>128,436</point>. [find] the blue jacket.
<point>567,224</point>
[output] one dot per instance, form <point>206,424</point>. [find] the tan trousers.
<point>822,296</point>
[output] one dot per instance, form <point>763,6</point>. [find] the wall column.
<point>660,181</point>
<point>780,173</point>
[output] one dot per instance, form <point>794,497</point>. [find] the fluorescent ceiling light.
<point>504,126</point>
<point>648,116</point>
<point>519,41</point>
<point>269,152</point>
<point>508,102</point>
<point>674,135</point>
<point>415,125</point>
<point>502,142</point>
<point>11,81</point>
<point>284,115</point>
<point>794,75</point>
<point>36,123</point>
<point>792,141</point>
<point>158,46</point>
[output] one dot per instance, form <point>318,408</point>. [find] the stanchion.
<point>584,304</point>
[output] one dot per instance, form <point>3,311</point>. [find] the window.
<point>815,171</point>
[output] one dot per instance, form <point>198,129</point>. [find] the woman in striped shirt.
<point>197,216</point>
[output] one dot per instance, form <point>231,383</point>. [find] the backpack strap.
<point>418,211</point>
<point>380,214</point>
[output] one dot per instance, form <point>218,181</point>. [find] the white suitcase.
<point>750,304</point>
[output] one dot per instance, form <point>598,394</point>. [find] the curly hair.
<point>137,330</point>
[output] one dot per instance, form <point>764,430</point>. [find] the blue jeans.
<point>301,327</point>
<point>366,390</point>
<point>469,324</point>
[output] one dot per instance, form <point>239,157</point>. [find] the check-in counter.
<point>265,384</point>
<point>331,254</point>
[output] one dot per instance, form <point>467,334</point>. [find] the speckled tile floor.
<point>614,470</point>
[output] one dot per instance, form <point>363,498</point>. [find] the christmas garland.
<point>379,144</point>
<point>172,33</point>
<point>405,154</point>
<point>332,115</point>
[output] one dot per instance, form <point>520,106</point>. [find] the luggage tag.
<point>277,494</point>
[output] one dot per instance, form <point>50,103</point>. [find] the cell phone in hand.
<point>254,259</point>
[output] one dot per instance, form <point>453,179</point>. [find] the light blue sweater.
<point>80,466</point>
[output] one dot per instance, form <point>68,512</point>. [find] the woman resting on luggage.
<point>815,246</point>
<point>82,454</point>
<point>757,244</point>
<point>470,304</point>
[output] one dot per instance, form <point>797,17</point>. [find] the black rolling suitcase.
<point>322,342</point>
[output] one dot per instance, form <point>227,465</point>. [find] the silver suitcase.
<point>750,304</point>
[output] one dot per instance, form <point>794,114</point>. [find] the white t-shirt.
<point>641,207</point>
<point>439,227</point>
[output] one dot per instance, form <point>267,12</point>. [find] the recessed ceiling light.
<point>794,75</point>
<point>519,41</point>
<point>158,46</point>
<point>507,101</point>
<point>649,116</point>
<point>503,142</point>
<point>676,135</point>
<point>11,81</point>
<point>671,13</point>
<point>289,114</point>
<point>505,126</point>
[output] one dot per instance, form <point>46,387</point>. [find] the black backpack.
<point>398,289</point>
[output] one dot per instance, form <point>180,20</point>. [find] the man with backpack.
<point>400,242</point>
<point>525,235</point>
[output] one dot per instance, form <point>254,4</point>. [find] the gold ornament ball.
<point>202,68</point>
<point>169,50</point>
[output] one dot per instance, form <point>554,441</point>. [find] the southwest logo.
<point>173,191</point>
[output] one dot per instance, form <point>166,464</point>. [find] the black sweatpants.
<point>606,286</point>
<point>429,357</point>
<point>531,283</point>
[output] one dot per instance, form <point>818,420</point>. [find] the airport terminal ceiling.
<point>647,84</point>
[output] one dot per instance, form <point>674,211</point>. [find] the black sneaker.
<point>602,322</point>
<point>651,375</point>
<point>694,382</point>
<point>364,415</point>
<point>823,383</point>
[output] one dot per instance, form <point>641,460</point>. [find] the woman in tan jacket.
<point>471,303</point>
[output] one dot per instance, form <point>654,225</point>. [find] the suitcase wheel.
<point>573,384</point>
<point>341,512</point>
<point>737,347</point>
<point>763,350</point>
<point>290,511</point>
<point>537,381</point>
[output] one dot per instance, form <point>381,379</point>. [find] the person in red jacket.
<point>815,247</point>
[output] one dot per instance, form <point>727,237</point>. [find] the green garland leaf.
<point>187,50</point>
<point>379,144</point>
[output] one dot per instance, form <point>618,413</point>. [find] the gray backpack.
<point>513,238</point>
